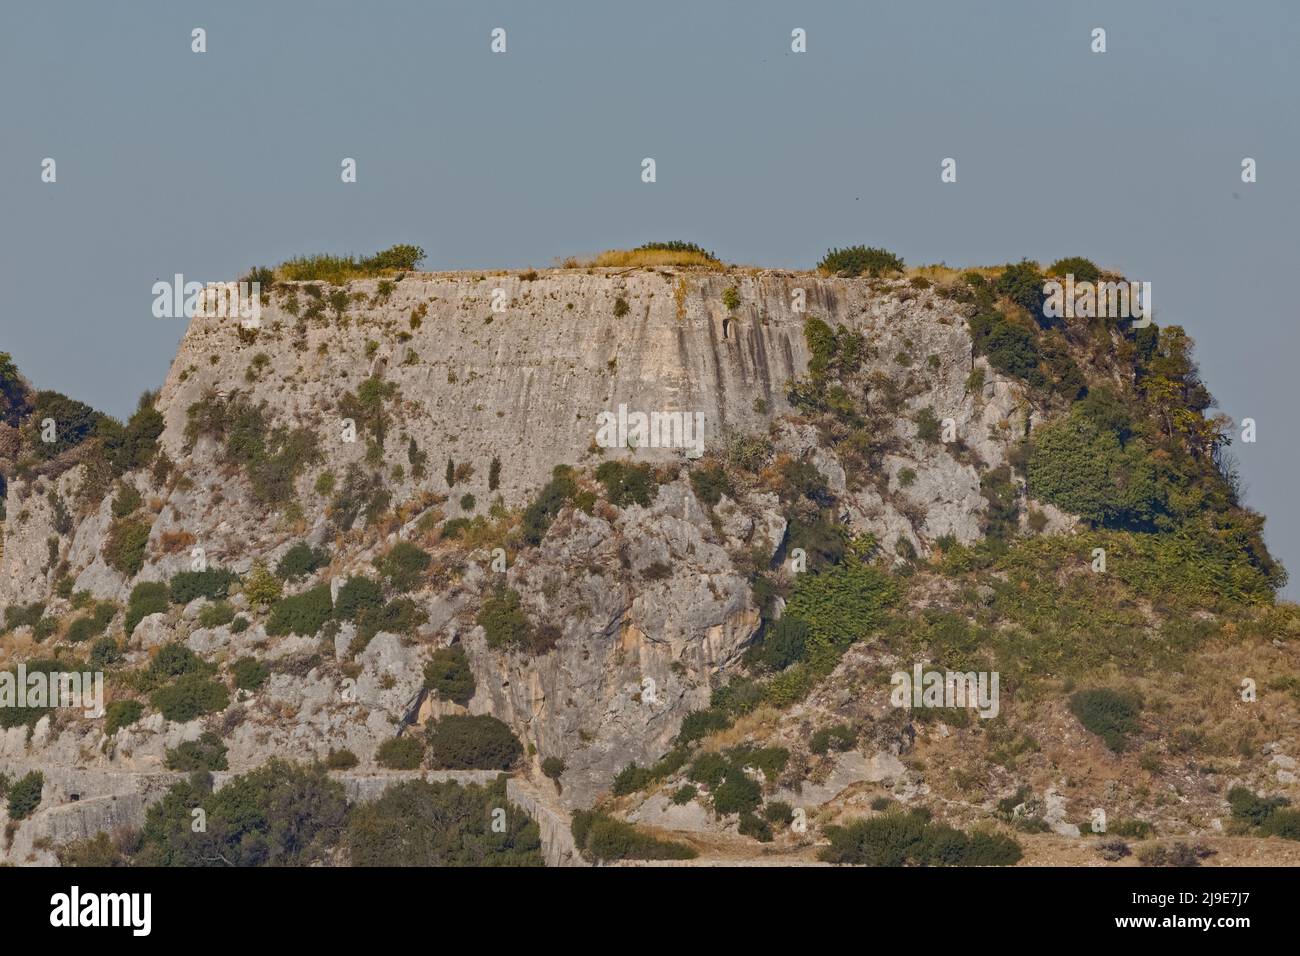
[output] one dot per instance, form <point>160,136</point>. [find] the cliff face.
<point>647,605</point>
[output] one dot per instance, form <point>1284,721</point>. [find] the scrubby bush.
<point>213,584</point>
<point>710,483</point>
<point>627,483</point>
<point>458,742</point>
<point>121,713</point>
<point>175,659</point>
<point>839,737</point>
<point>92,625</point>
<point>605,838</point>
<point>261,587</point>
<point>417,823</point>
<point>1110,714</point>
<point>400,753</point>
<point>149,597</point>
<point>549,502</point>
<point>104,653</point>
<point>299,561</point>
<point>192,695</point>
<point>784,643</point>
<point>778,813</point>
<point>553,768</point>
<point>403,565</point>
<point>503,620</point>
<point>215,615</point>
<point>1083,270</point>
<point>856,260</point>
<point>304,613</point>
<point>126,502</point>
<point>206,753</point>
<point>125,545</point>
<point>340,760</point>
<point>448,675</point>
<point>1022,283</point>
<point>25,795</point>
<point>281,814</point>
<point>897,839</point>
<point>631,779</point>
<point>249,673</point>
<point>752,825</point>
<point>357,594</point>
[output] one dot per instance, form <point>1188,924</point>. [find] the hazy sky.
<point>171,161</point>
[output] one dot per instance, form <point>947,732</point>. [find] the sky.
<point>207,163</point>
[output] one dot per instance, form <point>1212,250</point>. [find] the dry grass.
<point>640,258</point>
<point>942,274</point>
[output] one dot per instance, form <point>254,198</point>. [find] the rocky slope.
<point>645,608</point>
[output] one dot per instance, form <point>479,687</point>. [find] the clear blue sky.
<point>170,161</point>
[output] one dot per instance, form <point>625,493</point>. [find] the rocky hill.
<point>390,507</point>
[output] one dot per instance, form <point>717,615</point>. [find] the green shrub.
<point>752,825</point>
<point>400,753</point>
<point>684,794</point>
<point>125,545</point>
<point>403,566</point>
<point>215,615</point>
<point>25,795</point>
<point>206,753</point>
<point>448,675</point>
<point>303,614</point>
<point>1282,823</point>
<point>104,653</point>
<point>340,760</point>
<point>417,823</point>
<point>126,502</point>
<point>299,561</point>
<point>677,245</point>
<point>149,597</point>
<point>24,615</point>
<point>213,584</point>
<point>121,713</point>
<point>1252,808</point>
<point>841,605</point>
<point>175,659</point>
<point>1085,469</point>
<point>631,779</point>
<point>855,260</point>
<point>784,643</point>
<point>698,724</point>
<point>281,814</point>
<point>357,594</point>
<point>503,620</point>
<point>459,742</point>
<point>778,813</point>
<point>737,793</point>
<point>710,483</point>
<point>626,483</point>
<point>621,308</point>
<point>1022,283</point>
<point>339,269</point>
<point>239,625</point>
<point>548,504</point>
<point>92,625</point>
<point>1083,270</point>
<point>1110,714</point>
<point>896,839</point>
<point>192,695</point>
<point>553,768</point>
<point>605,838</point>
<point>927,425</point>
<point>840,737</point>
<point>249,673</point>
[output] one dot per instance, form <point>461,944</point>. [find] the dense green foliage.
<point>448,675</point>
<point>304,613</point>
<point>400,753</point>
<point>299,561</point>
<point>281,814</point>
<point>503,620</point>
<point>148,597</point>
<point>191,695</point>
<point>338,269</point>
<point>549,502</point>
<point>125,545</point>
<point>403,566</point>
<point>603,837</point>
<point>856,260</point>
<point>206,753</point>
<point>121,713</point>
<point>460,742</point>
<point>213,584</point>
<point>25,795</point>
<point>416,823</point>
<point>899,839</point>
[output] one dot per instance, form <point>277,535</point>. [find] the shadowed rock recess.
<point>378,533</point>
